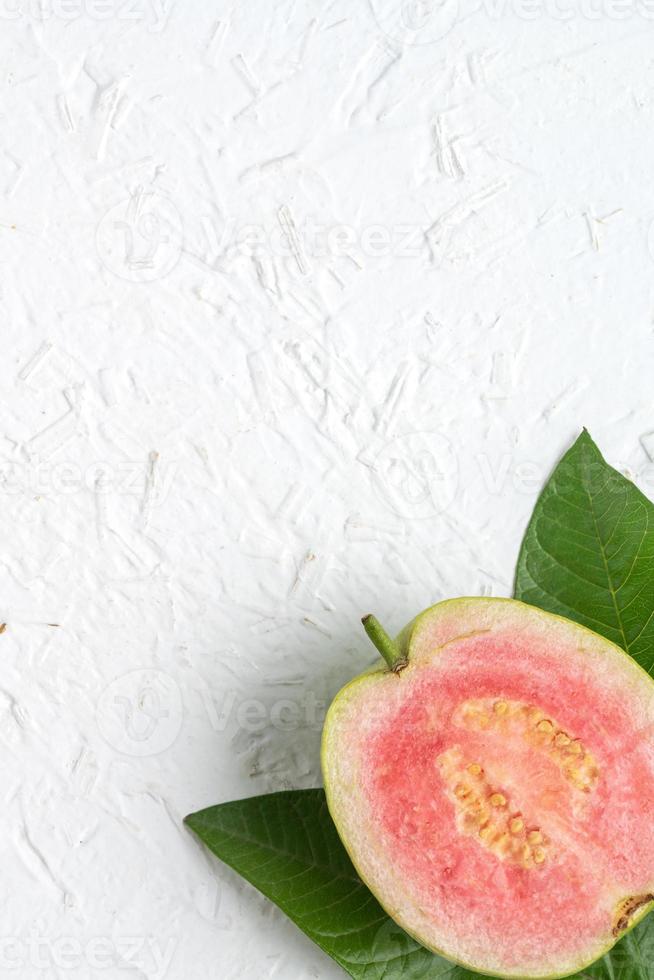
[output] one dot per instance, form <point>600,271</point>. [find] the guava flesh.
<point>497,793</point>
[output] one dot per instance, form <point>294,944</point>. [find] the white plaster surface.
<point>214,457</point>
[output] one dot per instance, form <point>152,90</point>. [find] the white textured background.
<point>300,301</point>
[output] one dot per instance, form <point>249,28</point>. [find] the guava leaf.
<point>631,959</point>
<point>286,845</point>
<point>588,552</point>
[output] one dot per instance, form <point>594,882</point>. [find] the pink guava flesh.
<point>498,793</point>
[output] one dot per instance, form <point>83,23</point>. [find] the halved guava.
<point>495,789</point>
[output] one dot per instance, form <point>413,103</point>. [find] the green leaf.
<point>287,846</point>
<point>631,959</point>
<point>588,552</point>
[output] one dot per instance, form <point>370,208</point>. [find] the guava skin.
<point>509,687</point>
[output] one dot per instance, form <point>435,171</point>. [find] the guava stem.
<point>389,649</point>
